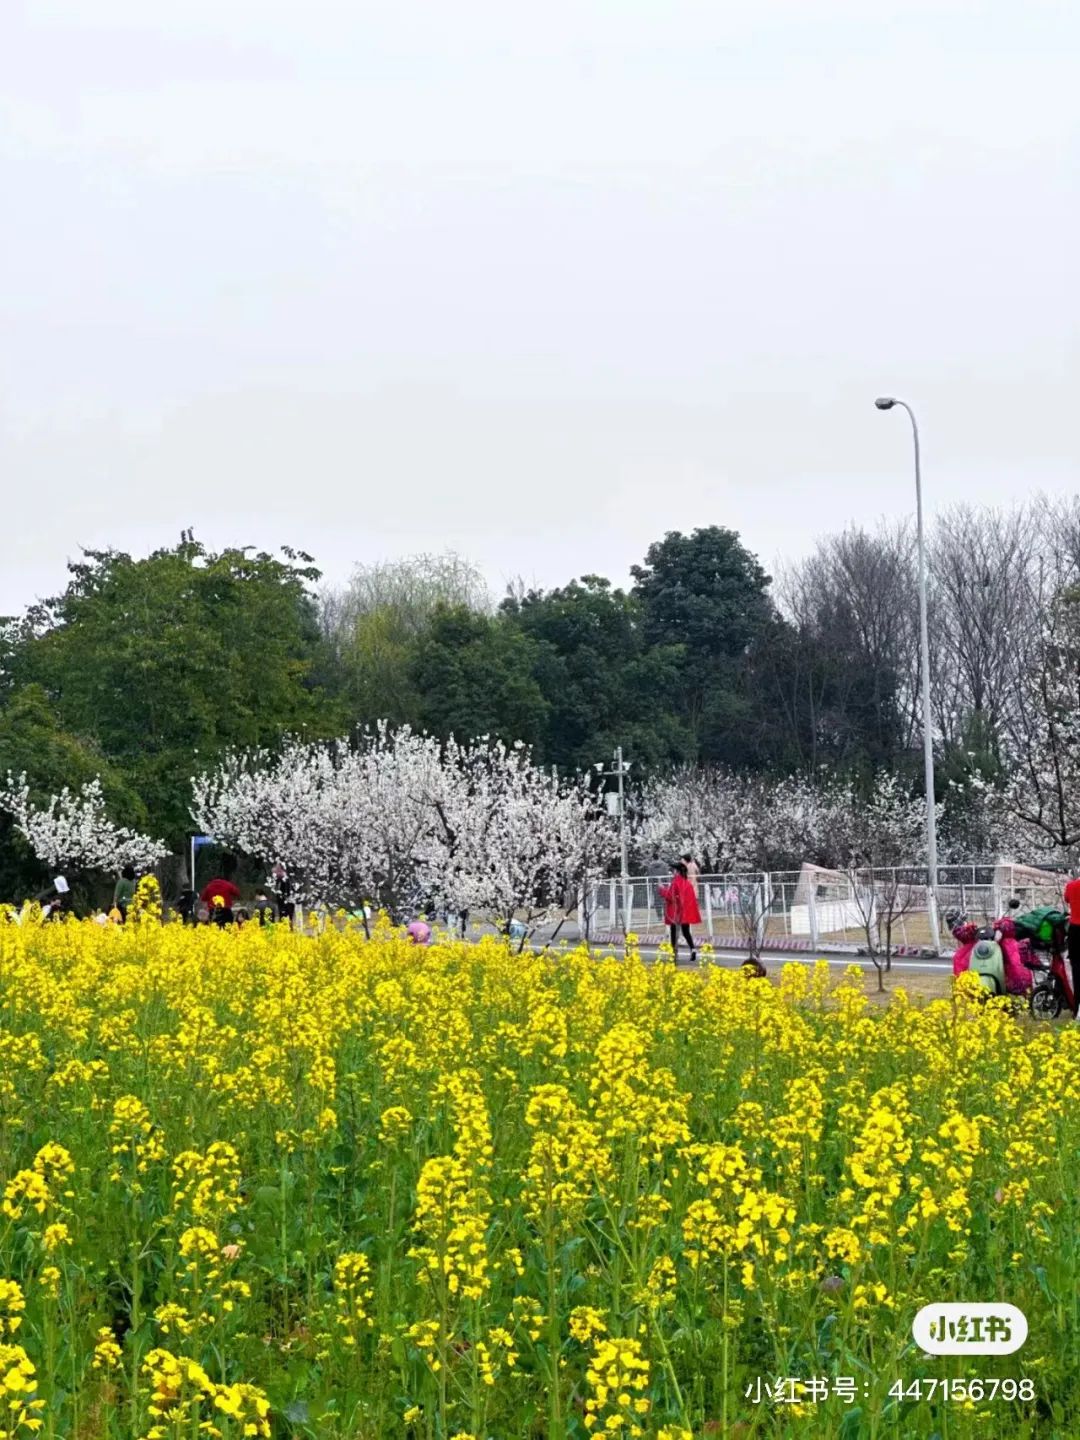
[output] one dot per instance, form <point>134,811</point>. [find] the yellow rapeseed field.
<point>262,1183</point>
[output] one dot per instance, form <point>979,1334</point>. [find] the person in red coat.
<point>220,895</point>
<point>680,908</point>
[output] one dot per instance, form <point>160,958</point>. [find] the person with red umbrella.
<point>680,908</point>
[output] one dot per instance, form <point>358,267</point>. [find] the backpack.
<point>1044,927</point>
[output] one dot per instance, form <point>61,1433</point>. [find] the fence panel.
<point>811,907</point>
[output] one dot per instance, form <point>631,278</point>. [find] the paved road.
<point>733,958</point>
<point>568,935</point>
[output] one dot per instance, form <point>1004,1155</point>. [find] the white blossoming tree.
<point>742,826</point>
<point>351,822</point>
<point>736,822</point>
<point>399,820</point>
<point>516,841</point>
<point>73,831</point>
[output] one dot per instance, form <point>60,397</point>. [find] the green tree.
<point>477,676</point>
<point>604,684</point>
<point>707,594</point>
<point>162,662</point>
<point>704,591</point>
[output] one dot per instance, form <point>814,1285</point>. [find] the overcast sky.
<point>535,282</point>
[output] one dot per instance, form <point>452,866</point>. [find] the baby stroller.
<point>1044,931</point>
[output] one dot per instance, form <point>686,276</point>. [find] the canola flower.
<point>257,1181</point>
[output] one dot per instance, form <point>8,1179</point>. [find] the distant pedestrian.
<point>693,871</point>
<point>680,908</point>
<point>124,893</point>
<point>656,871</point>
<point>264,908</point>
<point>282,885</point>
<point>220,894</point>
<point>185,906</point>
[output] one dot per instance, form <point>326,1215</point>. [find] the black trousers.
<point>1074,962</point>
<point>689,938</point>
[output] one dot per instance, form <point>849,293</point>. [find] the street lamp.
<point>886,402</point>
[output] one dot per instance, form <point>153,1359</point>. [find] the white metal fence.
<point>811,907</point>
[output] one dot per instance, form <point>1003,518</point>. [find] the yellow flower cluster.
<point>183,1395</point>
<point>20,1409</point>
<point>12,1305</point>
<point>738,1215</point>
<point>616,1376</point>
<point>568,1160</point>
<point>107,1352</point>
<point>353,1294</point>
<point>450,1218</point>
<point>459,1191</point>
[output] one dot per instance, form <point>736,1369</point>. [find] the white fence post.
<point>766,907</point>
<point>811,905</point>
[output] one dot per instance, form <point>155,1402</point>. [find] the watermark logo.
<point>976,1329</point>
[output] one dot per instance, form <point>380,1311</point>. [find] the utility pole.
<point>624,864</point>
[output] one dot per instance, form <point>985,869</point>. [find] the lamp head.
<point>884,402</point>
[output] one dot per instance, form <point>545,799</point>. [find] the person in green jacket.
<point>125,891</point>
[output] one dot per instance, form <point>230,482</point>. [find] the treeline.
<point>146,669</point>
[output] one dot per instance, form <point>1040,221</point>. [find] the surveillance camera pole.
<point>619,771</point>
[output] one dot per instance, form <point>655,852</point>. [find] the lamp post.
<point>886,402</point>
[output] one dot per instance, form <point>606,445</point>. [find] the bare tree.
<point>879,835</point>
<point>406,591</point>
<point>981,609</point>
<point>1043,786</point>
<point>370,628</point>
<point>883,898</point>
<point>854,600</point>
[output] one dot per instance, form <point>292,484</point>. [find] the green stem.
<point>724,1360</point>
<point>554,1344</point>
<point>284,1253</point>
<point>50,1369</point>
<point>135,1321</point>
<point>476,1382</point>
